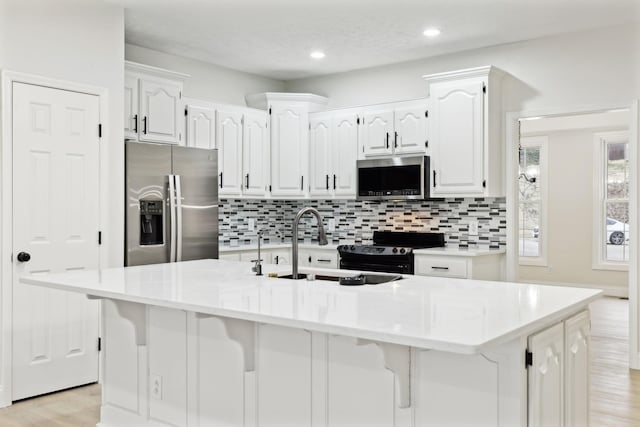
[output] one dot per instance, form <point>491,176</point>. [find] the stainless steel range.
<point>391,251</point>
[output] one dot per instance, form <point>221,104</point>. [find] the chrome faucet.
<point>322,237</point>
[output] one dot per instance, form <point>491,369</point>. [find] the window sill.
<point>533,262</point>
<point>610,266</point>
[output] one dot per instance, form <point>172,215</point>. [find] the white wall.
<point>80,41</point>
<point>570,232</point>
<point>576,69</point>
<point>208,82</point>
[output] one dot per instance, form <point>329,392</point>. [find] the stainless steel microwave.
<point>398,178</point>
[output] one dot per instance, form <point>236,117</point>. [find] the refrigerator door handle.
<point>172,218</point>
<point>178,218</point>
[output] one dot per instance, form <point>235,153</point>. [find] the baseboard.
<point>609,290</point>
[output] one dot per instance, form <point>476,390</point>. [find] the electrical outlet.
<point>156,387</point>
<point>331,225</point>
<point>473,227</point>
<point>252,224</point>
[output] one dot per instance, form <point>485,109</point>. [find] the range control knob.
<point>403,250</point>
<point>353,248</point>
<point>394,250</point>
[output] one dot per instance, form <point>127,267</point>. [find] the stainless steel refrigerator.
<point>171,203</point>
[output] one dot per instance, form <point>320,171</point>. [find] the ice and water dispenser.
<point>151,222</point>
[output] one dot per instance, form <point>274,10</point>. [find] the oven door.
<point>399,266</point>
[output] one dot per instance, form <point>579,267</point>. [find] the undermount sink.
<point>354,280</point>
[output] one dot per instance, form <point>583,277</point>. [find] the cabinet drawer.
<point>441,266</point>
<point>326,260</point>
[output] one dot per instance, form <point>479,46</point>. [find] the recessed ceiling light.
<point>317,54</point>
<point>431,32</point>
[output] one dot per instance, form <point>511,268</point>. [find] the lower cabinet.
<point>307,257</point>
<point>558,375</point>
<point>319,258</point>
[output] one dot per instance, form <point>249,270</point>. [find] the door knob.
<point>23,257</point>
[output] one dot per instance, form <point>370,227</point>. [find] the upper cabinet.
<point>393,129</point>
<point>289,139</point>
<point>153,104</point>
<point>320,168</point>
<point>464,133</point>
<point>229,138</point>
<point>200,124</point>
<point>255,148</point>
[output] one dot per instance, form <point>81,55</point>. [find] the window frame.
<point>542,141</point>
<point>600,142</point>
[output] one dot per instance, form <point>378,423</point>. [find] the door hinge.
<point>484,183</point>
<point>99,130</point>
<point>484,88</point>
<point>309,126</point>
<point>180,94</point>
<point>99,237</point>
<point>528,358</point>
<point>426,113</point>
<point>99,344</point>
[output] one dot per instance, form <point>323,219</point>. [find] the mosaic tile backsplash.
<point>356,220</point>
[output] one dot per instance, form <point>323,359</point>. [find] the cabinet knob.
<point>23,257</point>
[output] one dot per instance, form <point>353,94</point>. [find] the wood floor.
<point>615,390</point>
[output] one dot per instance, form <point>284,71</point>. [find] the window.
<point>532,184</point>
<point>611,183</point>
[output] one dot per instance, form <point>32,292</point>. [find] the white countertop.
<point>456,315</point>
<point>458,252</point>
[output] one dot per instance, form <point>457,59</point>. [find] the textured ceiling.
<point>274,37</point>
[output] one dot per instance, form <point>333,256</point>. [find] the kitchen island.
<point>207,343</point>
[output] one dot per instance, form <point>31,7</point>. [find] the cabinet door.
<point>457,137</point>
<point>324,259</point>
<point>161,111</point>
<point>410,129</point>
<point>577,332</point>
<point>201,130</point>
<point>289,142</point>
<point>229,138</point>
<point>319,155</point>
<point>377,133</point>
<point>344,147</point>
<point>255,149</point>
<point>130,106</point>
<point>281,257</point>
<point>546,378</point>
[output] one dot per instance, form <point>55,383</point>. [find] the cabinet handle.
<point>387,140</point>
<point>395,140</point>
<point>439,268</point>
<point>324,260</point>
<point>220,179</point>
<point>302,183</point>
<point>434,179</point>
<point>334,181</point>
<point>309,258</point>
<point>277,259</point>
<point>144,125</point>
<point>247,181</point>
<point>135,123</point>
<point>327,182</point>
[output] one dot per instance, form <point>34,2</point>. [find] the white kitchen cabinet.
<point>320,145</point>
<point>577,333</point>
<point>229,138</point>
<point>255,153</point>
<point>376,132</point>
<point>462,265</point>
<point>344,147</point>
<point>280,256</point>
<point>546,378</point>
<point>410,135</point>
<point>394,129</point>
<point>321,258</point>
<point>465,133</point>
<point>154,108</point>
<point>130,106</point>
<point>289,139</point>
<point>201,126</point>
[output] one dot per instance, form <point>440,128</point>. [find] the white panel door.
<point>546,378</point>
<point>577,333</point>
<point>55,220</point>
<point>344,147</point>
<point>201,127</point>
<point>320,155</point>
<point>411,129</point>
<point>457,137</point>
<point>130,106</point>
<point>289,143</point>
<point>160,111</point>
<point>377,133</point>
<point>255,148</point>
<point>229,138</point>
